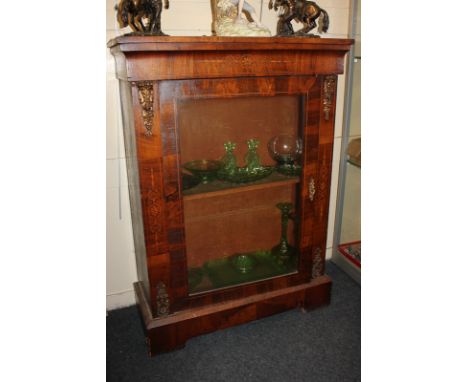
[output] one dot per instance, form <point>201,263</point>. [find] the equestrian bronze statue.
<point>305,12</point>
<point>143,16</point>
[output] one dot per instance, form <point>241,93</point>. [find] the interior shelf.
<point>218,188</point>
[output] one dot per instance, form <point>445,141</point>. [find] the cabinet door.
<point>246,175</point>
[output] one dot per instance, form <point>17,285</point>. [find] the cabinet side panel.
<point>323,177</point>
<point>134,183</point>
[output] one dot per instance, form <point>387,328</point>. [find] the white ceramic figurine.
<point>229,20</point>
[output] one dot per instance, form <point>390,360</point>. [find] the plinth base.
<point>171,332</point>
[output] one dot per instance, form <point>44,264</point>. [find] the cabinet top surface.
<point>206,43</point>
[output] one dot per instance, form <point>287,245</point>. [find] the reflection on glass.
<point>238,207</point>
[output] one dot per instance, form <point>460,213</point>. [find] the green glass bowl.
<point>204,169</point>
<point>242,175</point>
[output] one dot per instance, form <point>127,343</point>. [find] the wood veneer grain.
<point>185,69</point>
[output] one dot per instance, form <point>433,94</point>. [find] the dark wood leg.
<point>162,341</point>
<point>319,296</point>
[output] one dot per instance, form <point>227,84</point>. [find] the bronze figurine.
<point>143,16</point>
<point>305,12</point>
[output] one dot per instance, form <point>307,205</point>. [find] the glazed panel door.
<point>240,218</point>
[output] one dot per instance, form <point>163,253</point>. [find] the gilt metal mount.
<point>311,189</point>
<point>162,300</point>
<point>145,97</point>
<point>328,93</point>
<point>317,263</point>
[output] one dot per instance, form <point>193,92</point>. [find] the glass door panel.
<point>240,187</point>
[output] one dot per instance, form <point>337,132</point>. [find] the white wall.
<point>351,220</point>
<point>184,18</point>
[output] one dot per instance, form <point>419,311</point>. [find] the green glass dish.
<point>204,169</point>
<point>243,175</point>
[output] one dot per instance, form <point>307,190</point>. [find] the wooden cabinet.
<point>182,99</point>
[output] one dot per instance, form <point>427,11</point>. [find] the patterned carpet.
<point>318,346</point>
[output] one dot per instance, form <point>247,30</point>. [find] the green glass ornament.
<point>283,251</point>
<point>204,169</point>
<point>229,160</point>
<point>252,159</point>
<point>286,150</point>
<point>244,263</point>
<point>253,170</point>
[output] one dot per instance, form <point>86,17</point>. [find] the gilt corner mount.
<point>145,98</point>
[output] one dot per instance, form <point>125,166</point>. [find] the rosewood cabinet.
<point>206,247</point>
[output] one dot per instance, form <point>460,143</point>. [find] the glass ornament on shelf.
<point>253,171</point>
<point>243,262</point>
<point>283,252</point>
<point>252,158</point>
<point>229,160</point>
<point>286,149</point>
<point>204,169</point>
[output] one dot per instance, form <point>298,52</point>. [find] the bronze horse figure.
<point>143,16</point>
<point>305,12</point>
